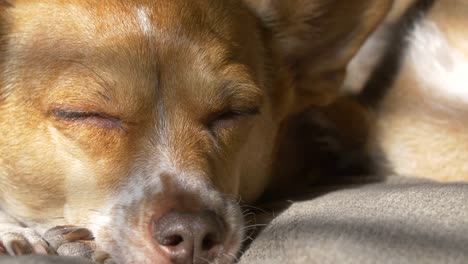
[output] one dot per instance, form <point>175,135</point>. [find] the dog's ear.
<point>317,38</point>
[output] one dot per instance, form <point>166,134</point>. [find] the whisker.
<point>232,256</point>
<point>255,225</point>
<point>204,259</point>
<point>248,222</point>
<point>254,207</point>
<point>246,210</point>
<point>247,238</point>
<point>249,214</point>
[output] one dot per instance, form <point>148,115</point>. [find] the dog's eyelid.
<point>77,115</point>
<point>230,114</point>
<point>72,115</point>
<point>251,111</point>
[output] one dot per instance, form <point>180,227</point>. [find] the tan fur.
<point>418,131</point>
<point>164,87</point>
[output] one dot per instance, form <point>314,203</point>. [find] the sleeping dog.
<point>136,127</point>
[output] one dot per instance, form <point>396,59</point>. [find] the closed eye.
<point>226,117</point>
<point>85,117</point>
<point>231,114</point>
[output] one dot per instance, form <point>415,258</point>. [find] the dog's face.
<point>142,107</point>
<point>133,118</point>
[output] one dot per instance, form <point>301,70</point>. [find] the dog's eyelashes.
<point>70,115</point>
<point>233,114</point>
<point>92,118</point>
<point>230,115</point>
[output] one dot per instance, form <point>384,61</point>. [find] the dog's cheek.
<point>29,163</point>
<point>232,138</point>
<point>228,143</point>
<point>106,155</point>
<point>96,144</point>
<point>256,156</point>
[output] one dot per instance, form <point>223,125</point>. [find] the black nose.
<point>190,237</point>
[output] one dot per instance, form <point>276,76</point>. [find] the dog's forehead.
<point>112,18</point>
<point>140,37</point>
<point>138,30</point>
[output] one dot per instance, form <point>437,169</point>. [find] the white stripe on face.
<point>144,21</point>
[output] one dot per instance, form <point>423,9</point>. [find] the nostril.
<point>209,242</point>
<point>172,241</point>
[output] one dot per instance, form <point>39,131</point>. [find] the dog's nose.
<point>190,237</point>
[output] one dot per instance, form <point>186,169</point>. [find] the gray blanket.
<point>400,221</point>
<point>397,221</point>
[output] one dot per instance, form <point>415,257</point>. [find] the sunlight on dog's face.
<point>121,115</point>
<point>132,107</point>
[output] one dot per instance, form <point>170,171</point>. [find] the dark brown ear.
<point>317,38</point>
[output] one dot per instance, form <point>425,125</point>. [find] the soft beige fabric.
<point>400,221</point>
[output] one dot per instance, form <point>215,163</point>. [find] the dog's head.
<point>146,121</point>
